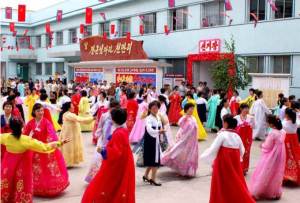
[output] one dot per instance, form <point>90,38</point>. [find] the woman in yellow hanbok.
<point>201,131</point>
<point>30,101</point>
<point>84,111</point>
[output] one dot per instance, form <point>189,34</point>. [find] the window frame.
<point>282,64</point>
<point>38,41</point>
<point>149,29</point>
<point>121,30</point>
<point>284,11</point>
<point>258,64</point>
<point>41,69</point>
<point>257,11</point>
<point>171,19</point>
<point>71,31</point>
<point>61,39</point>
<point>88,31</point>
<point>102,28</point>
<point>46,68</point>
<point>220,17</point>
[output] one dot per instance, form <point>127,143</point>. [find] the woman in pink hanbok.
<point>50,176</point>
<point>183,156</point>
<point>138,129</point>
<point>266,181</point>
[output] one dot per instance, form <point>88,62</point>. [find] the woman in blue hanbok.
<point>212,104</point>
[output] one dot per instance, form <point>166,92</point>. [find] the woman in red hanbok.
<point>228,184</point>
<point>175,107</point>
<point>75,99</point>
<point>235,103</point>
<point>50,174</point>
<point>5,118</point>
<point>132,108</point>
<point>115,181</point>
<point>244,129</point>
<point>292,166</point>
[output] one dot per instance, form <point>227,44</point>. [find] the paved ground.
<point>174,190</point>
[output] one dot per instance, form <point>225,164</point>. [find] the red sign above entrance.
<point>136,70</point>
<point>97,48</point>
<point>210,46</point>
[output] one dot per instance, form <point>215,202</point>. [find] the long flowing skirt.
<point>94,167</point>
<point>211,119</point>
<point>86,127</point>
<point>292,165</point>
<point>50,176</point>
<point>137,131</point>
<point>100,111</point>
<point>174,113</point>
<point>183,156</point>
<point>150,150</point>
<point>245,132</point>
<point>234,108</point>
<point>16,178</point>
<point>201,108</point>
<point>228,184</point>
<point>131,116</point>
<point>266,180</point>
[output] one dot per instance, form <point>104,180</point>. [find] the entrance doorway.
<point>23,71</point>
<point>201,72</point>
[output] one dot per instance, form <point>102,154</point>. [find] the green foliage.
<point>219,72</point>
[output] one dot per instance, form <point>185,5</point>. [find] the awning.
<point>120,63</point>
<point>67,55</point>
<point>27,58</point>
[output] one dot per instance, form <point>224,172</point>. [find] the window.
<point>258,7</point>
<point>282,64</point>
<point>38,69</point>
<point>59,38</point>
<point>285,8</point>
<point>104,27</point>
<point>38,41</point>
<point>179,66</point>
<point>48,40</point>
<point>48,68</point>
<point>23,42</point>
<point>72,36</point>
<point>149,22</point>
<point>255,64</point>
<point>1,41</point>
<point>124,26</point>
<point>178,19</point>
<point>87,31</point>
<point>212,14</point>
<point>59,67</point>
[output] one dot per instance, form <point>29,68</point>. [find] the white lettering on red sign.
<point>208,46</point>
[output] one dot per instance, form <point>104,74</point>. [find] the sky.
<point>30,4</point>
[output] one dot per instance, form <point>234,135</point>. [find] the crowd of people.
<point>41,138</point>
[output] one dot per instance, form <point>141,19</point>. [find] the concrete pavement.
<point>174,189</point>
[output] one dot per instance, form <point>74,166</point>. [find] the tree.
<point>219,72</point>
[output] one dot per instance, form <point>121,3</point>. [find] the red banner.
<point>89,70</point>
<point>8,12</point>
<point>209,46</point>
<point>171,3</point>
<point>12,27</point>
<point>98,48</point>
<point>136,78</point>
<point>59,15</point>
<point>136,70</point>
<point>88,16</point>
<point>21,13</point>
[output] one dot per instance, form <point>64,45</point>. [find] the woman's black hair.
<point>103,94</point>
<point>292,97</point>
<point>7,103</point>
<point>65,107</point>
<point>141,92</point>
<point>230,120</point>
<point>188,106</point>
<point>200,94</point>
<point>43,97</point>
<point>114,104</point>
<point>131,95</point>
<point>119,116</point>
<point>236,92</point>
<point>295,105</point>
<point>223,101</point>
<point>175,88</point>
<point>189,94</point>
<point>154,103</point>
<point>291,114</point>
<point>83,93</point>
<point>35,107</point>
<point>11,98</point>
<point>271,119</point>
<point>282,101</point>
<point>16,126</point>
<point>280,97</point>
<point>242,107</point>
<point>43,91</point>
<point>258,93</point>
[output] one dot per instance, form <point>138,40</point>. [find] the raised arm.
<point>210,154</point>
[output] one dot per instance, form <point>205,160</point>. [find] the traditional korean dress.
<point>168,137</point>
<point>183,155</point>
<point>175,108</point>
<point>259,110</point>
<point>201,131</point>
<point>5,129</point>
<point>84,111</point>
<point>212,103</point>
<point>282,112</point>
<point>244,129</point>
<point>48,109</point>
<point>75,99</point>
<point>115,181</point>
<point>132,108</point>
<point>29,102</point>
<point>266,180</point>
<point>73,151</point>
<point>104,132</point>
<point>201,108</point>
<point>16,167</point>
<point>138,129</point>
<point>228,184</point>
<point>249,101</point>
<point>234,104</point>
<point>50,176</point>
<point>292,165</point>
<point>97,110</point>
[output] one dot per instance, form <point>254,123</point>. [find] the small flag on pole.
<point>228,6</point>
<point>59,16</point>
<point>88,15</point>
<point>48,28</point>
<point>8,13</point>
<point>102,14</point>
<point>171,3</point>
<point>81,28</point>
<point>142,31</point>
<point>21,13</point>
<point>12,27</point>
<point>112,29</point>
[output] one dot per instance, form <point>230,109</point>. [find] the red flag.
<point>171,3</point>
<point>112,29</point>
<point>21,13</point>
<point>102,1</point>
<point>12,27</point>
<point>81,28</point>
<point>104,35</point>
<point>273,5</point>
<point>88,15</point>
<point>128,35</point>
<point>8,12</point>
<point>48,28</point>
<point>142,17</point>
<point>59,16</point>
<point>142,29</point>
<point>167,31</point>
<point>228,6</point>
<point>25,32</point>
<point>102,14</point>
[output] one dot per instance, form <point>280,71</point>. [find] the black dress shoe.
<point>152,182</point>
<point>145,179</point>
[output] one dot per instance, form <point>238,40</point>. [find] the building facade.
<point>272,47</point>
